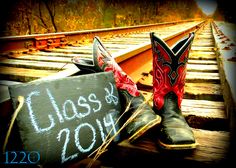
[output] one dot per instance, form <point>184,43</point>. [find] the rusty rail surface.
<point>203,105</point>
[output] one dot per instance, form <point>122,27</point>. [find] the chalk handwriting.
<point>62,115</point>
<point>54,104</point>
<point>77,140</point>
<point>67,139</point>
<point>109,95</point>
<point>103,136</point>
<point>81,107</point>
<point>108,122</point>
<point>32,116</point>
<point>92,98</point>
<point>82,102</point>
<point>74,109</point>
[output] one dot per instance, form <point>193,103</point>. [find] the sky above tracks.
<point>207,6</point>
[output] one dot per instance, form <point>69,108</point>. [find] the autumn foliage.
<point>46,16</point>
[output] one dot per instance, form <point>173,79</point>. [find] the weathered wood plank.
<point>118,46</point>
<point>202,77</point>
<point>33,64</point>
<point>209,33</point>
<point>204,104</point>
<point>202,48</point>
<point>205,114</point>
<point>132,40</point>
<point>42,53</point>
<point>199,40</point>
<point>203,91</point>
<point>110,47</point>
<point>205,44</point>
<point>42,58</point>
<point>70,70</point>
<point>205,53</point>
<point>121,41</point>
<point>202,55</point>
<point>211,151</point>
<point>206,35</point>
<point>82,48</point>
<point>65,51</point>
<point>202,68</point>
<point>141,35</point>
<point>23,74</point>
<point>87,50</point>
<point>203,62</point>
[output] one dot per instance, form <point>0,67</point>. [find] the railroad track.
<point>203,105</point>
<point>52,59</point>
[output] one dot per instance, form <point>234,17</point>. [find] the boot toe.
<point>177,138</point>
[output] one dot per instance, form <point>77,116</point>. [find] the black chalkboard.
<point>67,119</point>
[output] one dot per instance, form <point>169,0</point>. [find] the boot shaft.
<point>169,68</point>
<point>107,63</point>
<point>102,61</point>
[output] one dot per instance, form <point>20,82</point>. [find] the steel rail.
<point>134,60</point>
<point>41,41</point>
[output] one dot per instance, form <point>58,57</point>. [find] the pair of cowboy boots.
<point>169,67</point>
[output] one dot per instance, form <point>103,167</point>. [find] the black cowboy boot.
<point>169,72</point>
<point>145,118</point>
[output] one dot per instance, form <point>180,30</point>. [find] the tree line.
<point>23,17</point>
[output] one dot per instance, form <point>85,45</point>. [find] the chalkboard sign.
<point>67,119</point>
